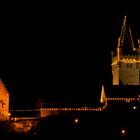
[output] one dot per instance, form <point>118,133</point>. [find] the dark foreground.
<point>83,125</point>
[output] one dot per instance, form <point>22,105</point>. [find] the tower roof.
<point>126,38</point>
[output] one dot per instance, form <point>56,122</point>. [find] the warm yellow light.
<point>123,131</point>
<point>76,120</point>
<point>9,114</point>
<point>134,107</point>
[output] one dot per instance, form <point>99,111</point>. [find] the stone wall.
<point>129,75</point>
<point>4,102</point>
<point>126,71</point>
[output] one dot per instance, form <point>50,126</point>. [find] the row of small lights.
<point>126,99</point>
<point>125,61</point>
<point>60,109</point>
<point>115,62</point>
<point>79,109</point>
<point>130,60</point>
<point>64,109</point>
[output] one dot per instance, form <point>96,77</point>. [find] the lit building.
<point>4,102</point>
<point>126,59</point>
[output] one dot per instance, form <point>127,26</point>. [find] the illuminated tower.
<point>4,102</point>
<point>126,61</point>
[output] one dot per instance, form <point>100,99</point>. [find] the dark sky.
<point>59,53</point>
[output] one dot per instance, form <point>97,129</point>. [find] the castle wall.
<point>4,102</point>
<point>115,73</point>
<point>129,75</point>
<point>126,71</point>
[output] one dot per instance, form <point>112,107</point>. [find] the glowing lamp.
<point>123,132</point>
<point>134,107</point>
<point>9,114</point>
<point>76,120</point>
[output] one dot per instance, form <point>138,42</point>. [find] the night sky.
<point>61,54</point>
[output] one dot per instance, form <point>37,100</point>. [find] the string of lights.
<point>60,109</point>
<point>78,109</point>
<point>63,109</point>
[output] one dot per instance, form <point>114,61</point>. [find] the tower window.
<point>120,65</point>
<point>127,65</point>
<point>137,65</point>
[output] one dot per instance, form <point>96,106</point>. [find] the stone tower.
<point>126,61</point>
<point>4,102</point>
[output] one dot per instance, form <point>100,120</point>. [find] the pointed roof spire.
<point>123,31</point>
<point>103,97</point>
<point>124,21</point>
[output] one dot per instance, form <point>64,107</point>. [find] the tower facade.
<point>126,61</point>
<point>4,102</point>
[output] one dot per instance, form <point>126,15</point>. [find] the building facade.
<point>4,102</point>
<point>126,61</point>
